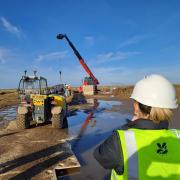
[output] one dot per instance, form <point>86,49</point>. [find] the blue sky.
<point>120,40</point>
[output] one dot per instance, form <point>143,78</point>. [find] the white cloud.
<point>134,40</point>
<point>51,56</point>
<point>113,56</point>
<point>10,28</point>
<point>89,40</point>
<point>4,55</point>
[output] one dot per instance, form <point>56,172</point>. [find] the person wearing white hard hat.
<point>145,148</point>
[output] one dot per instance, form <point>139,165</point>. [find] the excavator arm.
<point>81,60</point>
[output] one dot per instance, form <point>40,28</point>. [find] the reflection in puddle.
<point>107,121</point>
<point>108,104</point>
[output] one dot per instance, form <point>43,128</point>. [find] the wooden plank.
<point>68,166</point>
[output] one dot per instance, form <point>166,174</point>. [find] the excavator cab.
<point>32,85</point>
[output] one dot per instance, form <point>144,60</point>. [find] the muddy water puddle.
<point>86,131</point>
<point>7,114</point>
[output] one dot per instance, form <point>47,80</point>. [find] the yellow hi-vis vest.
<point>150,154</point>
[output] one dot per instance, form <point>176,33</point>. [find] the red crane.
<point>82,62</point>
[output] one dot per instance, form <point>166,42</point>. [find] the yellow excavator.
<point>38,105</point>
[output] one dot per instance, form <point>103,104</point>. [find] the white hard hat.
<point>155,91</point>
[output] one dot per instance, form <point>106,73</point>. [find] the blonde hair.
<point>160,114</point>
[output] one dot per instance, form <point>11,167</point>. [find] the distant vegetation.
<point>8,97</point>
<point>178,92</point>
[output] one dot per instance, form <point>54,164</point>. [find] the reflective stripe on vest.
<point>132,154</point>
<point>176,133</point>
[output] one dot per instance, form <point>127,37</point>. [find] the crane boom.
<point>81,60</point>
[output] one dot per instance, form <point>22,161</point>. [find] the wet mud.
<point>7,114</point>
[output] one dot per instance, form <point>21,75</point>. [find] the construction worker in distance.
<point>145,148</point>
<point>66,90</point>
<point>69,89</point>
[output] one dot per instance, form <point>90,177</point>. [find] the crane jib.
<point>88,71</point>
<point>82,62</point>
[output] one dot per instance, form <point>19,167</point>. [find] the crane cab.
<point>88,87</point>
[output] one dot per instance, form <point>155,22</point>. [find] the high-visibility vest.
<point>150,154</point>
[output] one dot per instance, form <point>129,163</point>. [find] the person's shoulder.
<point>129,124</point>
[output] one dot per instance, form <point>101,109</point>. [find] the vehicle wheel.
<point>65,122</point>
<point>57,121</point>
<point>22,121</point>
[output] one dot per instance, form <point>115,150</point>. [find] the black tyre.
<point>22,121</point>
<point>65,123</point>
<point>57,121</point>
